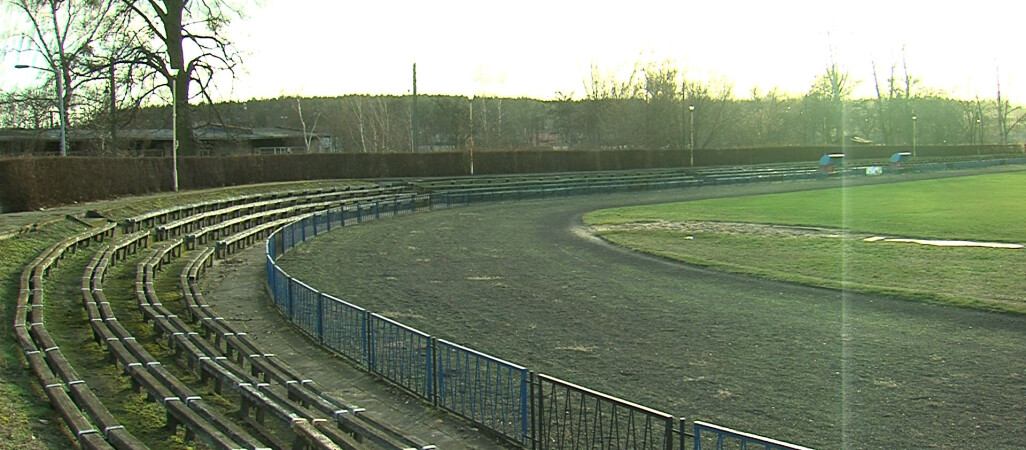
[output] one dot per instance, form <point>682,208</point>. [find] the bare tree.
<point>166,29</point>
<point>65,34</point>
<point>714,111</point>
<point>1006,123</point>
<point>883,104</point>
<point>307,136</point>
<point>662,109</point>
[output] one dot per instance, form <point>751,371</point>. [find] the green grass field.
<point>984,208</point>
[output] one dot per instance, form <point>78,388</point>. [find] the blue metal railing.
<point>344,329</point>
<point>571,416</point>
<point>401,355</point>
<point>305,310</point>
<point>483,389</point>
<point>721,437</point>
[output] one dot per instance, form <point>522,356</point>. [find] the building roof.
<point>202,132</point>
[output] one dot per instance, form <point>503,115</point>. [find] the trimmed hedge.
<point>31,183</point>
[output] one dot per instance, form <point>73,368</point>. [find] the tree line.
<point>656,109</point>
<point>113,60</point>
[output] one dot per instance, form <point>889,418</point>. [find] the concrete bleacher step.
<point>84,413</point>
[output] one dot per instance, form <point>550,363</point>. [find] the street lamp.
<point>914,117</point>
<point>979,127</point>
<point>692,109</point>
<point>174,129</point>
<point>979,124</point>
<point>62,114</point>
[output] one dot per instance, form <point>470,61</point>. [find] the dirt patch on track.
<point>754,229</point>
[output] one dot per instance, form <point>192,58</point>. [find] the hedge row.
<point>31,183</point>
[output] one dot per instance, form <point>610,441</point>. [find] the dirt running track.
<point>817,367</point>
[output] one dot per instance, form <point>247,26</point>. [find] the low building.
<point>211,140</point>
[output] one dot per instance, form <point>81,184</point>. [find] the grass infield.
<point>988,208</point>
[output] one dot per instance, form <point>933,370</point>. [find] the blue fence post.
<point>320,318</point>
<point>368,342</point>
<point>524,408</point>
<point>270,275</point>
<point>377,210</point>
<point>538,408</point>
<point>359,213</point>
<point>292,314</point>
<point>432,388</point>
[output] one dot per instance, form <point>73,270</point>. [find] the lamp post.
<point>471,140</point>
<point>914,118</point>
<point>174,129</point>
<point>979,144</point>
<point>692,146</point>
<point>62,113</point>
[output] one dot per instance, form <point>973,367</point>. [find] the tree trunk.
<point>173,31</point>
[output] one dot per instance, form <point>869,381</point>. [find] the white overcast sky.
<point>535,48</point>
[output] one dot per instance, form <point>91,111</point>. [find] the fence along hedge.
<point>31,183</point>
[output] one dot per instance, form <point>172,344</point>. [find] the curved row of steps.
<point>89,421</point>
<point>274,406</point>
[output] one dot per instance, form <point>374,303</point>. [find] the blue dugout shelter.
<point>829,162</point>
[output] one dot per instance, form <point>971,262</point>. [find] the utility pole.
<point>471,139</point>
<point>416,133</point>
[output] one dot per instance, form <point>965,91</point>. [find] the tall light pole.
<point>914,118</point>
<point>471,134</point>
<point>414,119</point>
<point>683,118</point>
<point>979,127</point>
<point>692,109</point>
<point>62,113</point>
<point>174,129</point>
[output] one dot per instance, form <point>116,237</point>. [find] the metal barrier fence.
<point>345,328</point>
<point>401,355</point>
<point>721,437</point>
<point>570,416</point>
<point>530,409</point>
<point>484,389</point>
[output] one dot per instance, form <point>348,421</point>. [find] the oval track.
<point>812,366</point>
